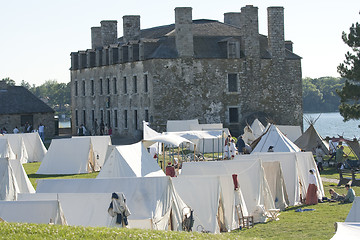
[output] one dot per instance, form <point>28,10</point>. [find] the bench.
<point>347,175</point>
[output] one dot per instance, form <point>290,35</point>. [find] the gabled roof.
<point>17,99</point>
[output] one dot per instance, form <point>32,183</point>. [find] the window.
<point>146,115</point>
<point>146,88</point>
<point>232,82</point>
<point>84,117</point>
<point>76,118</point>
<point>92,88</point>
<point>115,119</point>
<point>83,87</point>
<point>108,118</point>
<point>135,84</point>
<point>108,85</point>
<point>115,85</point>
<point>125,85</point>
<point>101,86</point>
<point>135,119</point>
<point>233,115</point>
<point>76,88</point>
<point>102,115</point>
<point>93,116</point>
<point>125,119</point>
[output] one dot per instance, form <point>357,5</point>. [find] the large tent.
<point>69,156</point>
<point>310,139</point>
<point>295,167</point>
<point>32,212</point>
<point>213,200</point>
<point>130,161</point>
<point>6,150</point>
<point>274,137</point>
<point>13,179</point>
<point>251,178</point>
<point>35,147</point>
<point>152,201</point>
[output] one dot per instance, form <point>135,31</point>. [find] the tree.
<point>9,81</point>
<point>350,69</point>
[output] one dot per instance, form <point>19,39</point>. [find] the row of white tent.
<point>266,181</point>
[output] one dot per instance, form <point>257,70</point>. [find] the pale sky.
<point>38,36</point>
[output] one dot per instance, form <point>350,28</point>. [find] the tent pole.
<point>194,151</point>
<point>203,149</point>
<point>213,143</point>
<point>163,167</point>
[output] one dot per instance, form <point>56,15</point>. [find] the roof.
<point>209,36</point>
<point>19,100</point>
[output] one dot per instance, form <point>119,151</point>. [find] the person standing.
<point>319,158</point>
<point>82,130</point>
<point>96,126</point>
<point>102,127</point>
<point>42,131</point>
<point>16,130</point>
<point>240,144</point>
<point>311,194</point>
<point>340,156</point>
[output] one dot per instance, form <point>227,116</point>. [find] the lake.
<point>332,125</point>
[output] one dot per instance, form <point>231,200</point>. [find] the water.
<point>332,125</point>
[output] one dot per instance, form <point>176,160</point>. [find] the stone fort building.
<point>194,69</point>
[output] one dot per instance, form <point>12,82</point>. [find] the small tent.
<point>18,146</point>
<point>257,128</point>
<point>310,139</point>
<point>69,156</point>
<point>13,179</point>
<point>5,150</point>
<point>274,137</point>
<point>32,212</point>
<point>347,230</point>
<point>152,201</point>
<point>248,135</point>
<point>354,213</point>
<point>291,132</point>
<point>35,147</point>
<point>130,161</point>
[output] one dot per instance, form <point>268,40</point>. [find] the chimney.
<point>96,37</point>
<point>249,27</point>
<point>232,18</point>
<point>108,32</point>
<point>183,31</point>
<point>276,34</point>
<point>131,28</point>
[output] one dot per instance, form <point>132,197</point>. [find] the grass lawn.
<point>317,224</point>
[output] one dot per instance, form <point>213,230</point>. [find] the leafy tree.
<point>350,69</point>
<point>9,81</point>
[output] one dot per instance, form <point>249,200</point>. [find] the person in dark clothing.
<point>102,127</point>
<point>240,144</point>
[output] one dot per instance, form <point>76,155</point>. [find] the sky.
<point>38,36</point>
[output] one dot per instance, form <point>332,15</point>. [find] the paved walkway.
<point>329,180</point>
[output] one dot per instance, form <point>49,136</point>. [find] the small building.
<point>19,106</point>
<point>217,72</point>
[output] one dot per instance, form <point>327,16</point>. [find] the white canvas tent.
<point>100,145</point>
<point>17,145</point>
<point>13,179</point>
<point>257,128</point>
<point>34,146</point>
<point>291,132</point>
<point>149,133</point>
<point>150,200</point>
<point>251,178</point>
<point>130,161</point>
<point>274,137</point>
<point>347,230</point>
<point>248,135</point>
<point>310,139</point>
<point>69,156</point>
<point>213,200</point>
<point>5,150</point>
<point>180,125</point>
<point>295,168</point>
<point>32,212</point>
<point>354,213</point>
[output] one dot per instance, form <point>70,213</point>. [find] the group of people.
<point>231,148</point>
<point>312,196</point>
<point>26,128</point>
<point>102,129</point>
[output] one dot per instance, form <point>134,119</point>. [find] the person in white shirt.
<point>41,131</point>
<point>16,130</point>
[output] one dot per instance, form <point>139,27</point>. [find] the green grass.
<point>318,224</point>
